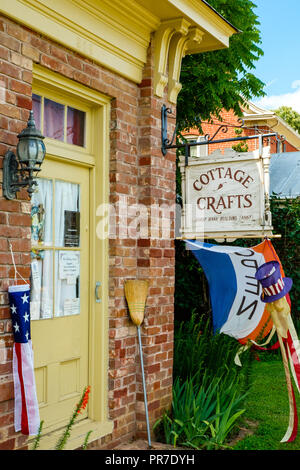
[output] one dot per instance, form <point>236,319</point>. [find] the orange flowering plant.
<point>84,400</point>
<point>81,405</point>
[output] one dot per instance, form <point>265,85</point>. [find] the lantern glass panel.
<point>22,150</point>
<point>32,150</point>
<point>41,151</point>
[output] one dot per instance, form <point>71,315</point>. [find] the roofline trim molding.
<point>117,34</point>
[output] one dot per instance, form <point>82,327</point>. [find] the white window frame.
<point>199,151</point>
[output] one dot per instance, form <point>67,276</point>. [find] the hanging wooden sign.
<point>226,195</point>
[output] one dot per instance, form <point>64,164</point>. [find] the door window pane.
<point>67,215</point>
<point>41,213</point>
<point>67,271</point>
<point>60,121</point>
<point>75,126</point>
<point>55,272</point>
<point>41,297</point>
<point>54,119</point>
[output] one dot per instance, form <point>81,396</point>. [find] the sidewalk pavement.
<point>143,445</point>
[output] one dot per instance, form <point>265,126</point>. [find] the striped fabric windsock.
<point>242,303</point>
<point>26,410</point>
<point>235,293</point>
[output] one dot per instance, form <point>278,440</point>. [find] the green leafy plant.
<point>286,222</point>
<point>241,146</point>
<point>86,440</point>
<point>208,387</point>
<point>201,416</point>
<point>205,353</point>
<point>186,421</point>
<point>223,423</point>
<point>37,439</point>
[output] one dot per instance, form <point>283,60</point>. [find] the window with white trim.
<point>199,151</point>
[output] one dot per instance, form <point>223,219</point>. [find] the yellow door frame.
<point>95,156</point>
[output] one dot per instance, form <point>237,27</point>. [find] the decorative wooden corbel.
<point>162,40</point>
<point>179,44</point>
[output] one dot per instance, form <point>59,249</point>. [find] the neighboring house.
<point>255,121</point>
<point>96,74</point>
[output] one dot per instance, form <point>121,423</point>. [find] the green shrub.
<point>286,221</point>
<point>208,387</point>
<point>197,352</point>
<point>221,427</point>
<point>203,415</point>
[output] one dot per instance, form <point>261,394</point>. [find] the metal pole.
<point>144,385</point>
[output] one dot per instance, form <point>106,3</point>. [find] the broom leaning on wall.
<point>136,292</point>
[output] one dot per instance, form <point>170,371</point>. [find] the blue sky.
<point>279,68</point>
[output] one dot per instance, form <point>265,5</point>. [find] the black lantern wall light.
<point>21,171</point>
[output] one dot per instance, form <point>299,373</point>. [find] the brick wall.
<point>156,254</point>
<point>138,175</point>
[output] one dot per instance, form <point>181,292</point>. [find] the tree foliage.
<point>222,79</point>
<point>290,116</point>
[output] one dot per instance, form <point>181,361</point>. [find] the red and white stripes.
<point>274,289</point>
<point>27,419</point>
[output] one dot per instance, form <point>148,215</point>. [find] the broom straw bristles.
<point>136,292</point>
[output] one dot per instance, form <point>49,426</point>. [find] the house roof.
<point>253,115</point>
<point>219,14</point>
<point>285,174</point>
<point>200,14</point>
<point>117,34</point>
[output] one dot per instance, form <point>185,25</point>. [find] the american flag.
<point>26,412</point>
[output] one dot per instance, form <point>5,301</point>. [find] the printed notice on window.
<point>72,306</point>
<point>69,266</point>
<point>72,228</point>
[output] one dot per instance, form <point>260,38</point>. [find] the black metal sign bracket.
<point>167,144</point>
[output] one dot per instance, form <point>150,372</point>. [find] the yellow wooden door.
<point>60,289</point>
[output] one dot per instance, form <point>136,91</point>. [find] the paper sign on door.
<point>72,306</point>
<point>69,266</point>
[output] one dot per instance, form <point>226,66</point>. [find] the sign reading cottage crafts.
<point>226,195</point>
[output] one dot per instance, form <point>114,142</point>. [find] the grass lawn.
<point>267,405</point>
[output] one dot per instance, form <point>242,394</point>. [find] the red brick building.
<point>96,75</point>
<point>255,121</point>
